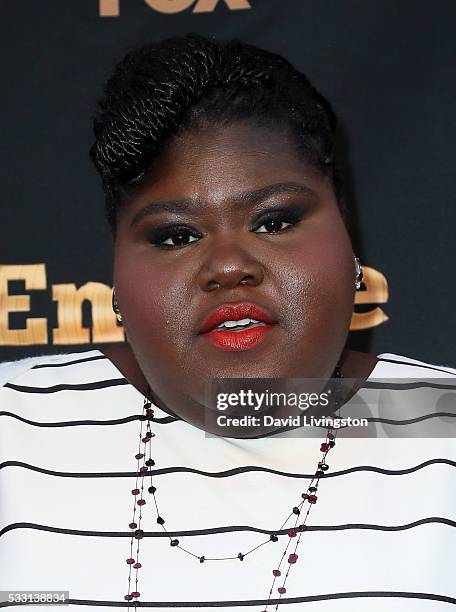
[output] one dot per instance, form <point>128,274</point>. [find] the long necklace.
<point>294,534</point>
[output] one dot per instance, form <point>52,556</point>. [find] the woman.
<point>232,260</point>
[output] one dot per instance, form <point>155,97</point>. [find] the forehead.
<point>216,161</point>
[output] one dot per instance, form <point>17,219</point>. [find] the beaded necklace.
<point>294,534</point>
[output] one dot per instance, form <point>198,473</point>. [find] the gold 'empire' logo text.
<point>69,308</point>
<point>111,8</point>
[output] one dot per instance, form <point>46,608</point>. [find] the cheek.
<point>152,300</point>
<point>318,283</point>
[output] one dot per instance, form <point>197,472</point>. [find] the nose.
<point>227,266</point>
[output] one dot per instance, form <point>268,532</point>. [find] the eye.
<point>277,221</point>
<point>272,226</point>
<point>180,239</point>
<point>173,237</point>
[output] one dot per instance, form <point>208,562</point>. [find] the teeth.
<point>241,323</point>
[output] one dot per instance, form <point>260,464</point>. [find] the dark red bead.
<point>144,440</point>
<point>130,561</point>
<point>137,565</point>
<point>135,594</point>
<point>292,533</point>
<point>142,417</point>
<point>331,436</point>
<point>324,447</point>
<point>139,456</point>
<point>276,572</point>
<point>132,525</point>
<point>143,469</point>
<point>135,491</point>
<point>293,558</point>
<point>282,590</point>
<point>312,499</point>
<point>141,502</point>
<point>128,597</point>
<point>139,533</point>
<point>149,413</point>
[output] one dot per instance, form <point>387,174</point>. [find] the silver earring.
<point>358,273</point>
<point>115,306</point>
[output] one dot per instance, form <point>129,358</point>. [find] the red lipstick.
<point>239,339</point>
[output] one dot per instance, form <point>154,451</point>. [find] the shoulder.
<point>392,364</point>
<point>48,370</point>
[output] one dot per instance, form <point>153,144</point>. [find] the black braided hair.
<point>184,82</point>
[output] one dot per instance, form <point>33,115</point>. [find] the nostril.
<point>245,280</point>
<point>213,285</point>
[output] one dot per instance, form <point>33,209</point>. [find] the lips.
<point>235,311</point>
<point>238,340</point>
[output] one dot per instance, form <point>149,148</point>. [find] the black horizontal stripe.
<point>229,529</point>
<point>67,363</point>
<point>256,602</point>
<point>231,472</point>
<point>417,365</point>
<point>169,419</point>
<point>160,420</point>
<point>400,386</point>
<point>424,417</point>
<point>99,384</point>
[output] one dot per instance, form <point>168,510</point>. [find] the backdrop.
<point>386,65</point>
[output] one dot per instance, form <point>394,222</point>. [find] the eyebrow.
<point>244,199</point>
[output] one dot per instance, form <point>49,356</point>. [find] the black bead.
<point>323,466</point>
<point>312,489</point>
<point>147,405</point>
<point>319,474</point>
<point>174,542</point>
<point>302,527</point>
<point>296,510</point>
<point>241,557</point>
<point>273,538</point>
<point>149,434</point>
<point>150,462</point>
<point>332,444</point>
<point>202,559</point>
<point>152,489</point>
<point>160,520</point>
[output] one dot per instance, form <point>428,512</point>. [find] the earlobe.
<point>115,306</point>
<point>358,273</point>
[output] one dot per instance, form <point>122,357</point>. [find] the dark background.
<point>387,66</point>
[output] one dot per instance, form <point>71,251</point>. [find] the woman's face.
<point>232,214</point>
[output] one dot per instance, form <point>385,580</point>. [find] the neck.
<point>353,365</point>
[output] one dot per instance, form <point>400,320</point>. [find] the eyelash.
<point>158,236</point>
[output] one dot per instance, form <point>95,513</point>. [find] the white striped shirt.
<point>382,534</point>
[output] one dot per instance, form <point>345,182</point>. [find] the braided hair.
<point>186,82</point>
